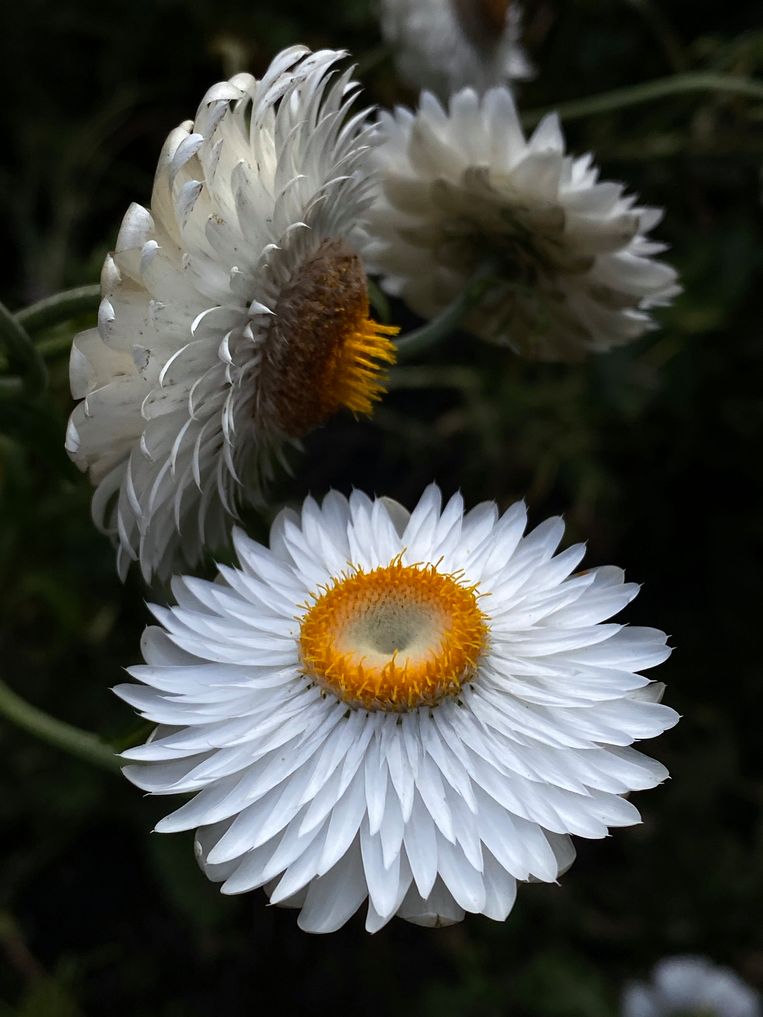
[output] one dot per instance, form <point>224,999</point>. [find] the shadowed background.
<point>651,453</point>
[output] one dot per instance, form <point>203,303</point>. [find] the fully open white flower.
<point>691,987</point>
<point>414,708</point>
<point>444,45</point>
<point>235,312</point>
<point>464,193</point>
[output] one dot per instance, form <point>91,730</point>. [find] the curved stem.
<point>54,345</point>
<point>428,376</point>
<point>620,98</point>
<point>22,353</point>
<point>56,732</point>
<point>420,340</point>
<point>378,300</point>
<point>60,307</point>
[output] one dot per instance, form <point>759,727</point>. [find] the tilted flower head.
<point>691,987</point>
<point>464,193</point>
<point>443,45</point>
<point>235,312</point>
<point>414,708</point>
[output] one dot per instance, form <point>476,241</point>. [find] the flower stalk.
<point>650,91</point>
<point>61,735</point>
<point>421,340</point>
<point>59,308</point>
<point>23,356</point>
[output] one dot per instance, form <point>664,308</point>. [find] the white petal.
<point>334,897</point>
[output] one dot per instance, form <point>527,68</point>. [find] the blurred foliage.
<point>652,454</point>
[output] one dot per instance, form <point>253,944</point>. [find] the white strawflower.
<point>412,708</point>
<point>463,193</point>
<point>443,45</point>
<point>235,312</point>
<point>691,987</point>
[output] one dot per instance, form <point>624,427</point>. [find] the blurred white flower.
<point>463,193</point>
<point>443,45</point>
<point>234,316</point>
<point>691,987</point>
<point>418,708</point>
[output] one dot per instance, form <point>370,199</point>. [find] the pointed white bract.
<point>425,812</point>
<point>443,45</point>
<point>176,424</point>
<point>688,986</point>
<point>463,193</point>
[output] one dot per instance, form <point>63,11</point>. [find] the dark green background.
<point>653,454</point>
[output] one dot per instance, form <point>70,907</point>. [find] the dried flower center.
<point>324,352</point>
<point>483,21</point>
<point>398,637</point>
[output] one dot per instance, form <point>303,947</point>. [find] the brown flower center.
<point>324,352</point>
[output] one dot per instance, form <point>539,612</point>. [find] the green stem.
<point>650,91</point>
<point>54,345</point>
<point>378,300</point>
<point>22,353</point>
<point>426,376</point>
<point>59,308</point>
<point>49,348</point>
<point>420,340</point>
<point>55,732</point>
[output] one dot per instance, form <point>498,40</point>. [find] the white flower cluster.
<point>235,314</point>
<point>413,709</point>
<point>445,45</point>
<point>691,987</point>
<point>464,193</point>
<point>200,368</point>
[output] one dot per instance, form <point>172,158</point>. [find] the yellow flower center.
<point>325,353</point>
<point>398,637</point>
